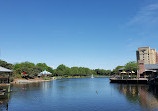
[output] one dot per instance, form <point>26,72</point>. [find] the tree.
<point>30,68</point>
<point>6,65</point>
<point>102,72</point>
<point>131,66</point>
<point>43,66</point>
<point>74,71</point>
<point>116,70</point>
<point>62,70</point>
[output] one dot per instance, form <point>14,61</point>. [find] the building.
<point>148,61</point>
<point>150,71</point>
<point>149,56</point>
<point>4,75</point>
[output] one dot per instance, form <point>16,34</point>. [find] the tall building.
<point>149,56</point>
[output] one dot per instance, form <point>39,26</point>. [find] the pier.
<point>129,81</point>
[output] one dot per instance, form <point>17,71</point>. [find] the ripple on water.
<point>83,94</point>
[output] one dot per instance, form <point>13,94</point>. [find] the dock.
<point>129,81</point>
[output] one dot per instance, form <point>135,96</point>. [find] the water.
<point>84,94</point>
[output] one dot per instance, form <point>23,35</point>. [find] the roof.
<point>45,72</point>
<point>121,69</point>
<point>151,66</point>
<point>2,69</point>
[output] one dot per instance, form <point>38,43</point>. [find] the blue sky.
<point>89,33</point>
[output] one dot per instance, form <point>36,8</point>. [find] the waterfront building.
<point>4,75</point>
<point>149,56</point>
<point>4,80</point>
<point>147,69</point>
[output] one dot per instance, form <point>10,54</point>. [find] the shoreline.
<point>25,81</point>
<point>71,77</point>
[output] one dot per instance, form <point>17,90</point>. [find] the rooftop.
<point>121,68</point>
<point>2,69</point>
<point>151,66</point>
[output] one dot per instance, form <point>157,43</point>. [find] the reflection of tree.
<point>4,99</point>
<point>131,92</point>
<point>140,94</point>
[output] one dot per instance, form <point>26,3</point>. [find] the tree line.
<point>34,69</point>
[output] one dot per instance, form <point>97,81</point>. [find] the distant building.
<point>149,56</point>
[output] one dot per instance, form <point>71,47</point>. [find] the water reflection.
<point>140,94</point>
<point>4,99</point>
<point>44,86</point>
<point>80,94</point>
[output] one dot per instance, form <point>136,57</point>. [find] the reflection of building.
<point>149,56</point>
<point>139,93</point>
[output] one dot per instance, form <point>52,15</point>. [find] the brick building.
<point>148,61</point>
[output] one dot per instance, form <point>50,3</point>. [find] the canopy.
<point>123,72</point>
<point>133,72</point>
<point>45,72</point>
<point>2,69</point>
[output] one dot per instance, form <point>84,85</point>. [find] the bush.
<point>11,79</point>
<point>47,78</point>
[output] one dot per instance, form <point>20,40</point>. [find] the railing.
<point>128,78</point>
<point>4,80</point>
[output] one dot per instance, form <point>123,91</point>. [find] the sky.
<point>85,33</point>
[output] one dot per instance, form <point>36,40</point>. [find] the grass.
<point>47,78</point>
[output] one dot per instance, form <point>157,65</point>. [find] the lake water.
<point>83,94</point>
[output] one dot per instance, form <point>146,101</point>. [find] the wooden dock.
<point>129,81</point>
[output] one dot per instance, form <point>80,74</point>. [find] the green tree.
<point>62,70</point>
<point>131,66</point>
<point>116,70</point>
<point>43,66</point>
<point>28,67</point>
<point>6,65</point>
<point>102,72</point>
<point>75,71</point>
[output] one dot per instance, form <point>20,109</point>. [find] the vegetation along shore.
<point>60,72</point>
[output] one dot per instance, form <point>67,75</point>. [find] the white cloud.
<point>146,16</point>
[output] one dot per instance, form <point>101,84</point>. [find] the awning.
<point>123,72</point>
<point>133,72</point>
<point>2,69</point>
<point>150,70</point>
